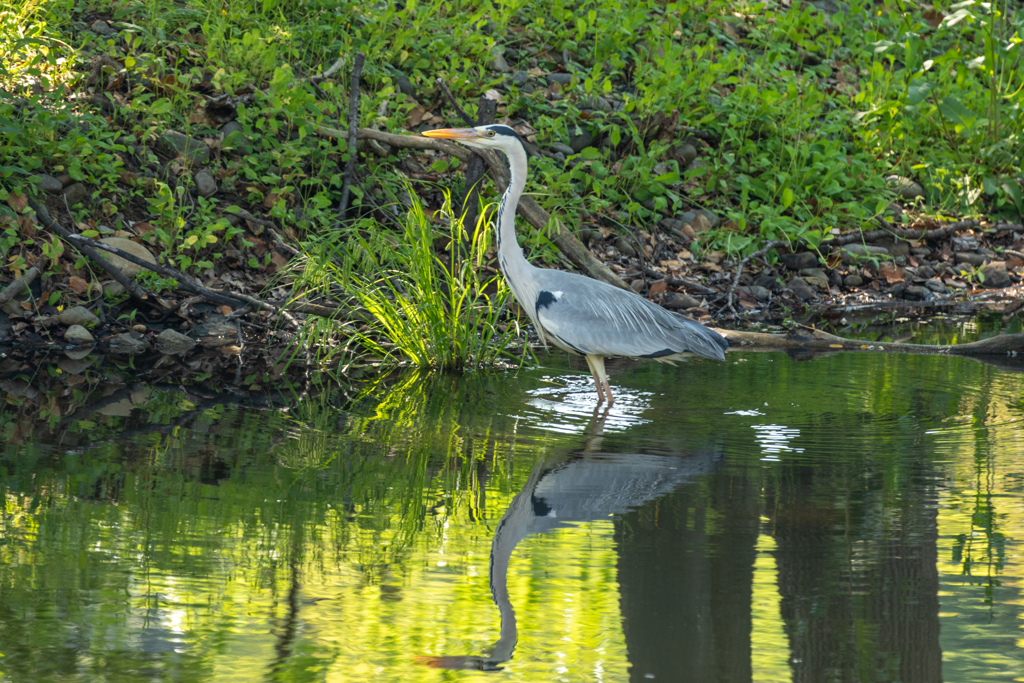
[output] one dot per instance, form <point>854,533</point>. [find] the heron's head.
<point>496,136</point>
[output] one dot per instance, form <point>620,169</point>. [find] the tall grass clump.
<point>429,300</point>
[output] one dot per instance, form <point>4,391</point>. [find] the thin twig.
<point>334,68</point>
<point>455,105</point>
<point>353,132</point>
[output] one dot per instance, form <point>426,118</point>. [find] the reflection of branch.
<point>286,641</point>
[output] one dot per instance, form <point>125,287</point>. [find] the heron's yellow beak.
<point>457,134</point>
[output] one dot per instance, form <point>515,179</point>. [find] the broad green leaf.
<point>956,112</point>
<point>787,198</point>
<point>918,91</point>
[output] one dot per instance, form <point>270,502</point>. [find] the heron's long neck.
<point>513,264</point>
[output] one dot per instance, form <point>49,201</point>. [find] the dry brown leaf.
<point>17,201</point>
<point>672,263</point>
<point>271,199</point>
<point>891,272</point>
<point>78,285</point>
<point>225,310</point>
<point>416,115</point>
<point>278,259</point>
<point>143,227</point>
<point>658,288</point>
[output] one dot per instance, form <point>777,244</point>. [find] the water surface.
<point>846,517</point>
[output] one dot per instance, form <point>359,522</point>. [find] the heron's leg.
<point>596,362</point>
<point>601,377</point>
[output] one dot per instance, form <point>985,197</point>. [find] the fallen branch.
<point>528,208</point>
<point>86,248</point>
<point>808,339</point>
<point>18,286</point>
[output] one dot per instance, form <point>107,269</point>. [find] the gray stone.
<point>801,289</point>
<point>680,301</point>
<point>134,248</point>
<point>995,275</point>
<point>520,78</point>
<point>560,78</point>
<point>711,217</point>
<point>819,282</point>
<point>564,149</point>
<point>770,282</point>
<point>923,250</point>
<point>48,183</point>
<point>894,246</point>
<point>170,342</point>
<point>684,154</point>
<point>836,278</point>
<point>581,139</point>
<point>75,366</point>
<point>76,334</point>
<point>233,135</point>
<point>759,293</point>
<point>175,143</point>
<point>596,103</point>
<point>102,28</point>
<point>624,247</point>
<point>904,187</point>
<point>799,261</point>
<point>75,193</point>
<point>77,315</point>
<point>216,330</point>
<point>78,353</point>
<point>927,272</point>
<point>638,286</point>
<point>813,272</point>
<point>936,285</point>
<point>917,293</point>
<point>205,184</point>
<point>857,253</point>
<point>853,281</point>
<point>970,259</point>
<point>113,288</point>
<point>498,62</point>
<point>405,85</point>
<point>126,343</point>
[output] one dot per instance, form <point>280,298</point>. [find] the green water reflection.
<point>848,517</point>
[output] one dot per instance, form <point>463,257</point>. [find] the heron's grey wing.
<point>592,317</point>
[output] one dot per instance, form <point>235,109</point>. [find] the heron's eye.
<point>490,133</point>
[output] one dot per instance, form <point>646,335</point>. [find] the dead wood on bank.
<point>809,339</point>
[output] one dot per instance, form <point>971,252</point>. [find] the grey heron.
<point>576,313</point>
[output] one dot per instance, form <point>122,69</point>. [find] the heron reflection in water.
<point>581,486</point>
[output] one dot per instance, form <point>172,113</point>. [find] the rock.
<point>102,28</point>
<point>205,184</point>
<point>926,272</point>
<point>851,281</point>
<point>923,250</point>
<point>813,272</point>
<point>77,315</point>
<point>596,103</point>
<point>772,283</point>
<point>917,293</point>
<point>113,288</point>
<point>75,366</point>
<point>498,62</point>
<point>819,282</point>
<point>216,330</point>
<point>170,342</point>
<point>134,248</point>
<point>857,253</point>
<point>678,300</point>
<point>520,78</point>
<point>624,247</point>
<point>638,286</point>
<point>559,78</point>
<point>898,289</point>
<point>563,148</point>
<point>126,343</point>
<point>175,143</point>
<point>759,293</point>
<point>801,289</point>
<point>48,183</point>
<point>970,259</point>
<point>233,135</point>
<point>580,138</point>
<point>671,225</point>
<point>75,193</point>
<point>995,275</point>
<point>405,85</point>
<point>684,154</point>
<point>936,285</point>
<point>76,334</point>
<point>799,261</point>
<point>836,278</point>
<point>904,187</point>
<point>894,246</point>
